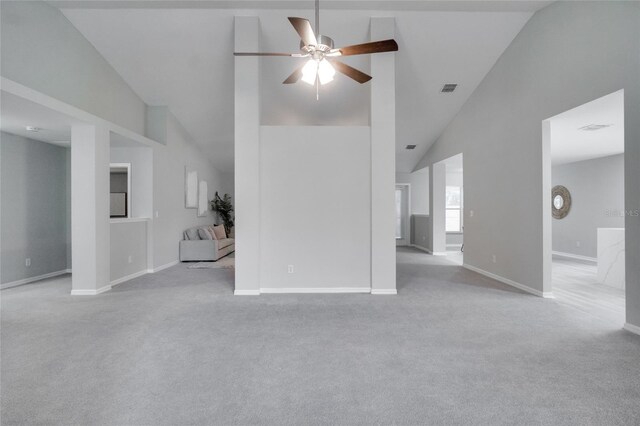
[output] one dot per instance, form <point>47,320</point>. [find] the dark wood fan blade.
<point>350,72</point>
<point>295,76</point>
<point>372,47</point>
<point>265,54</point>
<point>303,28</point>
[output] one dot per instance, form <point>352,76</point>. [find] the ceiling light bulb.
<point>33,129</point>
<point>310,71</point>
<point>325,71</point>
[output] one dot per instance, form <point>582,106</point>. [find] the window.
<point>453,219</point>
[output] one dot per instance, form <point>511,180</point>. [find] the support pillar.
<point>247,156</point>
<point>90,209</point>
<point>383,158</point>
<point>437,208</point>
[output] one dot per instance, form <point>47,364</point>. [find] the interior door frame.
<point>406,240</point>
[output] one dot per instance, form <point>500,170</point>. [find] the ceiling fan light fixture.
<point>310,71</point>
<point>326,72</point>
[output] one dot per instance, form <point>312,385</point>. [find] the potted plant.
<point>224,208</point>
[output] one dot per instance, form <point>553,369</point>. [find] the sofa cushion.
<point>204,234</point>
<point>212,232</point>
<point>191,234</point>
<point>220,232</point>
<point>225,242</point>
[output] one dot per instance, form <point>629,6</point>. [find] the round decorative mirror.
<point>560,202</point>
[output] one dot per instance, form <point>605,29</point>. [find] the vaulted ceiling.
<point>180,54</point>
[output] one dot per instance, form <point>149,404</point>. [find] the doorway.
<point>584,189</point>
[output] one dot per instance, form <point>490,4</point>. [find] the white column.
<point>437,208</point>
<point>90,209</point>
<point>247,156</point>
<point>383,157</point>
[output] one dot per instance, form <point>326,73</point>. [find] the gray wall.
<point>420,230</point>
<point>128,242</point>
<point>569,53</point>
<point>596,186</point>
<point>42,50</point>
<point>35,207</point>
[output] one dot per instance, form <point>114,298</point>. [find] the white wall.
<point>419,181</point>
<point>596,187</point>
<point>43,51</point>
<point>550,67</point>
<point>315,205</point>
<point>34,209</point>
<point>168,191</point>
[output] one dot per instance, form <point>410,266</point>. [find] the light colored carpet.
<point>177,348</point>
<point>228,262</point>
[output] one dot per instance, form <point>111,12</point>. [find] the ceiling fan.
<point>323,63</point>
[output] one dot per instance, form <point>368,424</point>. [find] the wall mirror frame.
<point>560,202</point>
<point>120,196</point>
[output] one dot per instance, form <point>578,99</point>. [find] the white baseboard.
<point>128,277</point>
<point>575,257</point>
<point>546,294</point>
<point>632,328</point>
<point>416,246</point>
<point>246,292</point>
<point>437,253</point>
<point>33,279</point>
<point>90,292</point>
<point>317,290</point>
<point>162,267</point>
<point>383,291</point>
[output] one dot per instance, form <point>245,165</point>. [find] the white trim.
<point>437,253</point>
<point>162,267</point>
<point>317,290</point>
<point>32,279</point>
<point>546,294</point>
<point>420,248</point>
<point>454,246</point>
<point>246,292</point>
<point>384,291</point>
<point>574,257</point>
<point>129,277</point>
<point>82,292</point>
<point>632,328</point>
<point>129,219</point>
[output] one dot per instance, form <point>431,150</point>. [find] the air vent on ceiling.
<point>449,87</point>
<point>410,147</point>
<point>593,127</point>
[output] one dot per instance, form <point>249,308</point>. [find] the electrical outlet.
<point>157,213</point>
<point>130,259</point>
<point>290,269</point>
<point>470,213</point>
<point>27,261</point>
<point>424,237</point>
<point>577,243</point>
<point>494,259</point>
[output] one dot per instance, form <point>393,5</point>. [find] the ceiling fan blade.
<point>351,72</point>
<point>303,28</point>
<point>372,47</point>
<point>295,76</point>
<point>293,55</point>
